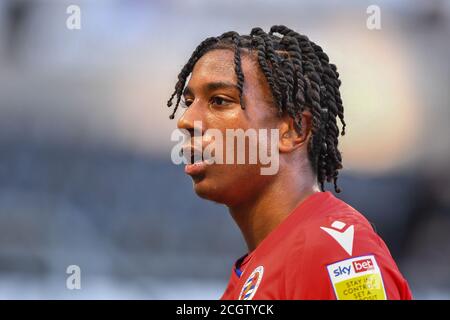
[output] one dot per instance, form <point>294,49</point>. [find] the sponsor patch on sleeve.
<point>357,278</point>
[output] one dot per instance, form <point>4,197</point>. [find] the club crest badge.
<point>252,284</point>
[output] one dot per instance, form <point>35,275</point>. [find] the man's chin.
<point>205,190</point>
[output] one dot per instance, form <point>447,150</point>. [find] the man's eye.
<point>218,101</point>
<point>185,103</point>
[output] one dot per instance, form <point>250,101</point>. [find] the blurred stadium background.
<point>85,170</point>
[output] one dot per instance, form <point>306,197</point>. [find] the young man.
<point>303,242</point>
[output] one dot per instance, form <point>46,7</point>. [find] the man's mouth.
<point>196,164</point>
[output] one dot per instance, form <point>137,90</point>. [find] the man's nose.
<point>190,117</point>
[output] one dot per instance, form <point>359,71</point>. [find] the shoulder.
<point>336,231</point>
<point>340,232</point>
<point>338,244</point>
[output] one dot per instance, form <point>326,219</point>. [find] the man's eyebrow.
<point>211,86</point>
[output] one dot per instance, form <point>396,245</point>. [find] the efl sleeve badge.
<point>357,278</point>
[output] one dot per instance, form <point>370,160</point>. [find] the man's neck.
<point>258,217</point>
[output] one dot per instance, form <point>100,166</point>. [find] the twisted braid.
<point>238,68</point>
<point>335,109</point>
<point>290,45</point>
<point>274,65</point>
<point>258,42</point>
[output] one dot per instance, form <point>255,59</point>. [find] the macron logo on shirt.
<point>344,238</point>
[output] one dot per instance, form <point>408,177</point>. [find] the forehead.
<point>215,62</point>
<point>218,65</point>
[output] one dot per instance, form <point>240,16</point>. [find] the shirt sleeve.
<point>350,262</point>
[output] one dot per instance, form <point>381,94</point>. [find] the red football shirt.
<point>324,249</point>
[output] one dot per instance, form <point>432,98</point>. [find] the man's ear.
<point>290,136</point>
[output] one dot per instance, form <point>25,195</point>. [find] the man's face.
<point>213,99</point>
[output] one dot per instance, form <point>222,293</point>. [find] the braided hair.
<point>300,77</point>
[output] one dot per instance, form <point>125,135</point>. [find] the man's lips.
<point>196,164</point>
<point>196,168</point>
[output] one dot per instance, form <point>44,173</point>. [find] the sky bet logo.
<point>342,270</point>
<point>358,266</point>
<point>362,265</point>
